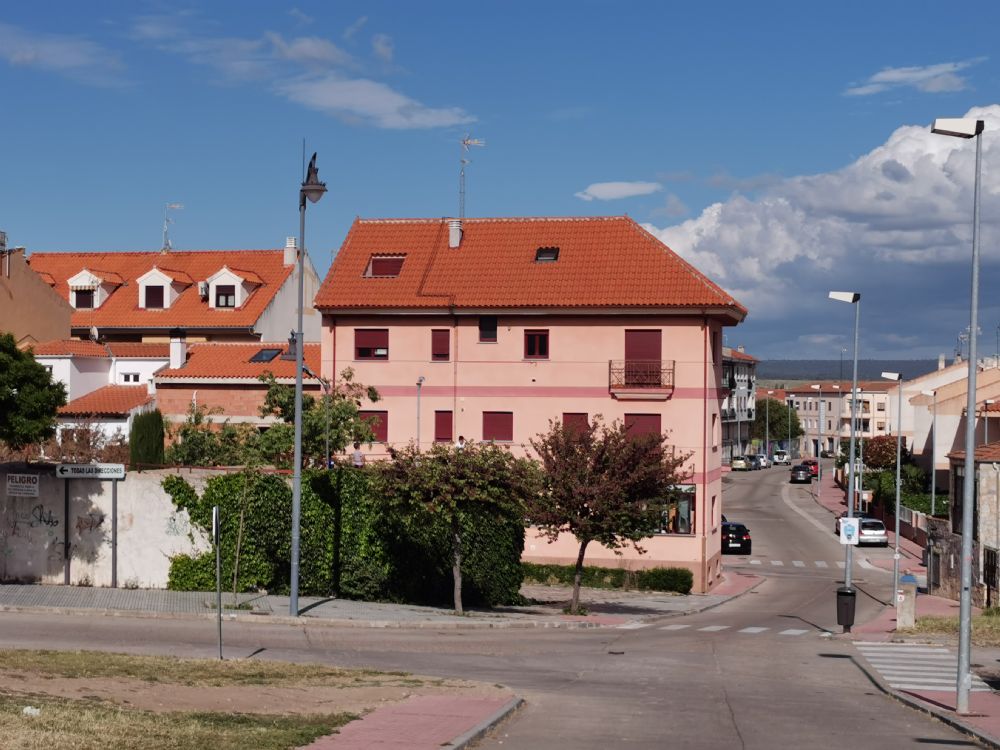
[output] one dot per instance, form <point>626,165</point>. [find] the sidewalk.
<point>422,722</point>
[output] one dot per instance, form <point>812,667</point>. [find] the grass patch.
<point>202,672</point>
<point>678,580</point>
<point>89,725</point>
<point>985,627</point>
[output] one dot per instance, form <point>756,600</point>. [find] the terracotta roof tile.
<point>121,310</point>
<point>109,401</point>
<point>123,349</point>
<point>224,361</point>
<point>603,262</point>
<point>988,453</point>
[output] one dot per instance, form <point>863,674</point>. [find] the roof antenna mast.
<point>465,142</point>
<point>167,221</point>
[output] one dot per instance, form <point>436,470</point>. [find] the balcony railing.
<point>652,376</point>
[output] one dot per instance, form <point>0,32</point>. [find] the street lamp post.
<point>789,403</point>
<point>968,128</point>
<point>767,426</point>
<point>899,444</point>
<point>819,441</point>
<point>855,299</point>
<point>311,189</point>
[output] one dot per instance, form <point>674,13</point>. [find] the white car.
<point>764,462</point>
<point>782,457</point>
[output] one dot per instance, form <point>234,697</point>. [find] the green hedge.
<point>146,439</point>
<point>350,546</point>
<point>652,579</point>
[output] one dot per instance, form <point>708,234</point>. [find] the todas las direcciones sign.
<point>90,471</point>
<point>22,485</point>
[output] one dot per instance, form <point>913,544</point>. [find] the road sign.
<point>849,529</point>
<point>90,471</point>
<point>22,485</point>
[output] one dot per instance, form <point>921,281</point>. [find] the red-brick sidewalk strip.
<point>883,627</point>
<point>423,722</point>
<point>735,584</point>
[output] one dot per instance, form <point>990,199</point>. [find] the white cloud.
<point>382,47</point>
<point>310,51</point>
<point>73,57</point>
<point>932,79</point>
<point>300,16</point>
<point>609,191</point>
<point>895,220</point>
<point>355,27</point>
<point>369,102</point>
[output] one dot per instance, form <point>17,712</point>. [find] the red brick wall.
<point>235,400</point>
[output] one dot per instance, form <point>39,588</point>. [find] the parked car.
<point>801,473</point>
<point>765,463</point>
<point>739,463</point>
<point>873,532</point>
<point>754,462</point>
<point>813,465</point>
<point>782,457</point>
<point>736,539</point>
<point>836,525</point>
<point>827,454</point>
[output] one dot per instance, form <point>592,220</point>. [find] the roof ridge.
<point>484,219</point>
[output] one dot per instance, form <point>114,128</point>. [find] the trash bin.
<point>845,607</point>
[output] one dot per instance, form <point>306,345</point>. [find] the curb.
<point>477,732</point>
<point>925,708</point>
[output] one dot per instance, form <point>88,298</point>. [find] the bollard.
<point>906,602</point>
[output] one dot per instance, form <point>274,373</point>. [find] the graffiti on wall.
<point>89,523</point>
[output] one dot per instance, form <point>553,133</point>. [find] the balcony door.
<point>642,358</point>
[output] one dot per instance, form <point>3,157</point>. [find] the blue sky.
<point>781,147</point>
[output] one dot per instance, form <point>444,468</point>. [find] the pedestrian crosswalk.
<point>915,666</point>
<point>699,628</point>
<point>795,563</point>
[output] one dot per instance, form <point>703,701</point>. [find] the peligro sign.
<point>22,485</point>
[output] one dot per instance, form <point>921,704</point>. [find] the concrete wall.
<point>280,317</point>
<point>34,531</point>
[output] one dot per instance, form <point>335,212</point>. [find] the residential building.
<point>108,409</point>
<point>491,329</point>
<point>824,413</point>
<point>739,376</point>
<point>211,295</point>
<point>85,366</point>
<point>29,308</point>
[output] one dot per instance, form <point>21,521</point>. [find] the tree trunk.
<point>456,564</point>
<point>574,604</point>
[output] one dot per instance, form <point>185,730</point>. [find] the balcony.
<point>641,379</point>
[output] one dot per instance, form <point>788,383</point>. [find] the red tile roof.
<point>223,361</point>
<point>123,349</point>
<point>603,262</point>
<point>988,453</point>
<point>121,310</point>
<point>737,354</point>
<point>109,401</point>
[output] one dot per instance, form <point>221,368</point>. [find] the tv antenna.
<point>465,143</point>
<point>167,221</point>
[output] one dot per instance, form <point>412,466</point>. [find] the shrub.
<point>652,579</point>
<point>146,439</point>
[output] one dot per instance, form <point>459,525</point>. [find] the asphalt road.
<point>761,671</point>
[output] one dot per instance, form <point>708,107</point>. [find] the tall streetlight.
<point>853,298</point>
<point>968,127</point>
<point>819,441</point>
<point>767,426</point>
<point>311,189</point>
<point>789,402</point>
<point>933,394</point>
<point>895,376</point>
<point>840,414</point>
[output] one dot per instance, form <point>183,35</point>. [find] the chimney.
<point>151,387</point>
<point>291,251</point>
<point>940,361</point>
<point>740,349</point>
<point>178,350</point>
<point>454,232</point>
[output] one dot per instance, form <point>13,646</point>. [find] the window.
<point>880,407</point>
<point>440,345</point>
<point>536,344</point>
<point>547,255</point>
<point>154,297</point>
<point>443,427</point>
<point>379,422</point>
<point>130,377</point>
<point>386,266</point>
<point>265,355</point>
<point>84,299</point>
<point>642,424</point>
<point>371,343</point>
<point>715,432</point>
<point>225,295</point>
<point>715,345</point>
<point>677,511</point>
<point>575,421</point>
<point>487,329</point>
<point>498,425</point>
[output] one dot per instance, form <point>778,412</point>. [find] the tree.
<point>334,416</point>
<point>880,452</point>
<point>602,484</point>
<point>775,414</point>
<point>448,481</point>
<point>29,399</point>
<point>146,439</point>
<point>198,441</point>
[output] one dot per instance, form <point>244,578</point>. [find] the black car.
<point>753,462</point>
<point>736,539</point>
<point>801,473</point>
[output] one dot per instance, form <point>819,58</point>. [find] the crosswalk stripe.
<point>842,565</point>
<point>755,562</point>
<point>798,563</point>
<point>675,626</point>
<point>713,628</point>
<point>915,666</point>
<point>777,562</point>
<point>633,625</point>
<point>754,630</point>
<point>793,631</point>
<point>821,564</point>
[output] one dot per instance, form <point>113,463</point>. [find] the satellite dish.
<point>93,334</point>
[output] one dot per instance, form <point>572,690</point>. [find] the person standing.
<point>358,457</point>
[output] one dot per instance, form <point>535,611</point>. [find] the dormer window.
<point>385,266</point>
<point>83,299</point>
<point>154,298</point>
<point>225,295</point>
<point>546,255</point>
<point>90,289</point>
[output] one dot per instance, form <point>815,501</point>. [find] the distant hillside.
<point>829,369</point>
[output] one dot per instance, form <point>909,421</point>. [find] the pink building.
<point>491,328</point>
